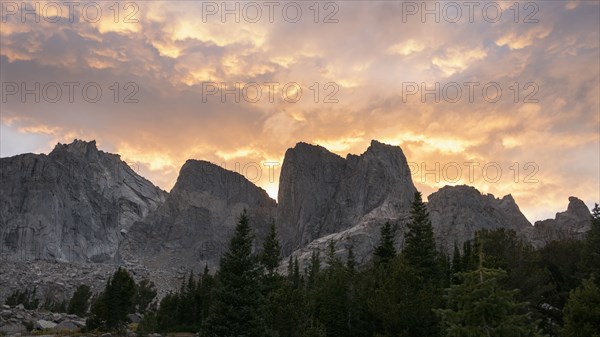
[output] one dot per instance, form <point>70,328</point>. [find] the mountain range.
<point>80,205</point>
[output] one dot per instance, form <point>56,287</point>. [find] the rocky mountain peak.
<point>576,208</point>
<point>386,152</point>
<point>576,217</point>
<point>572,223</point>
<point>72,205</point>
<point>77,147</point>
<point>509,199</point>
<point>457,212</point>
<point>304,146</point>
<point>200,176</point>
<point>375,145</point>
<point>194,225</point>
<point>79,204</point>
<point>322,193</point>
<point>304,150</point>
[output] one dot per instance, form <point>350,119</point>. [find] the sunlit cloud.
<point>339,145</point>
<point>170,52</point>
<point>455,60</point>
<point>156,161</point>
<point>406,48</point>
<point>519,40</point>
<point>239,153</point>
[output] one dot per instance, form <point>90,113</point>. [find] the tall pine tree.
<point>238,302</point>
<point>385,251</point>
<point>271,254</point>
<point>80,301</point>
<point>109,310</point>
<point>313,268</point>
<point>420,251</point>
<point>351,260</point>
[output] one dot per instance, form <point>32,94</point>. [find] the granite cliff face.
<point>457,212</point>
<point>72,205</point>
<point>321,193</point>
<point>81,205</point>
<point>194,225</point>
<point>570,224</point>
<point>308,182</point>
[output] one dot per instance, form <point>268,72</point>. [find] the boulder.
<point>57,318</point>
<point>135,318</point>
<point>67,325</point>
<point>43,324</point>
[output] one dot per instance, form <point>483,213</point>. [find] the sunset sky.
<point>369,60</point>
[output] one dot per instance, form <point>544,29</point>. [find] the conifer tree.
<point>394,300</point>
<point>167,315</point>
<point>456,263</point>
<point>186,305</point>
<point>294,271</point>
<point>385,251</point>
<point>582,312</point>
<point>297,279</point>
<point>28,299</point>
<point>288,315</point>
<point>271,254</point>
<point>467,261</point>
<point>313,268</point>
<point>80,301</point>
<point>204,292</point>
<point>238,302</point>
<point>145,293</point>
<point>290,267</point>
<point>420,251</point>
<point>590,255</point>
<point>351,260</point>
<point>330,295</point>
<point>109,311</point>
<point>332,259</point>
<point>480,307</point>
<point>446,268</point>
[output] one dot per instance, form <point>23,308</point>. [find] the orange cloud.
<point>171,51</point>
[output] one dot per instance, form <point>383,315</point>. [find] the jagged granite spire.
<point>573,223</point>
<point>322,193</point>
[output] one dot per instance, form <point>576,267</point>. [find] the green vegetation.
<point>54,305</point>
<point>110,308</point>
<point>80,301</point>
<point>145,292</point>
<point>480,306</point>
<point>238,301</point>
<point>582,312</point>
<point>494,285</point>
<point>26,297</point>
